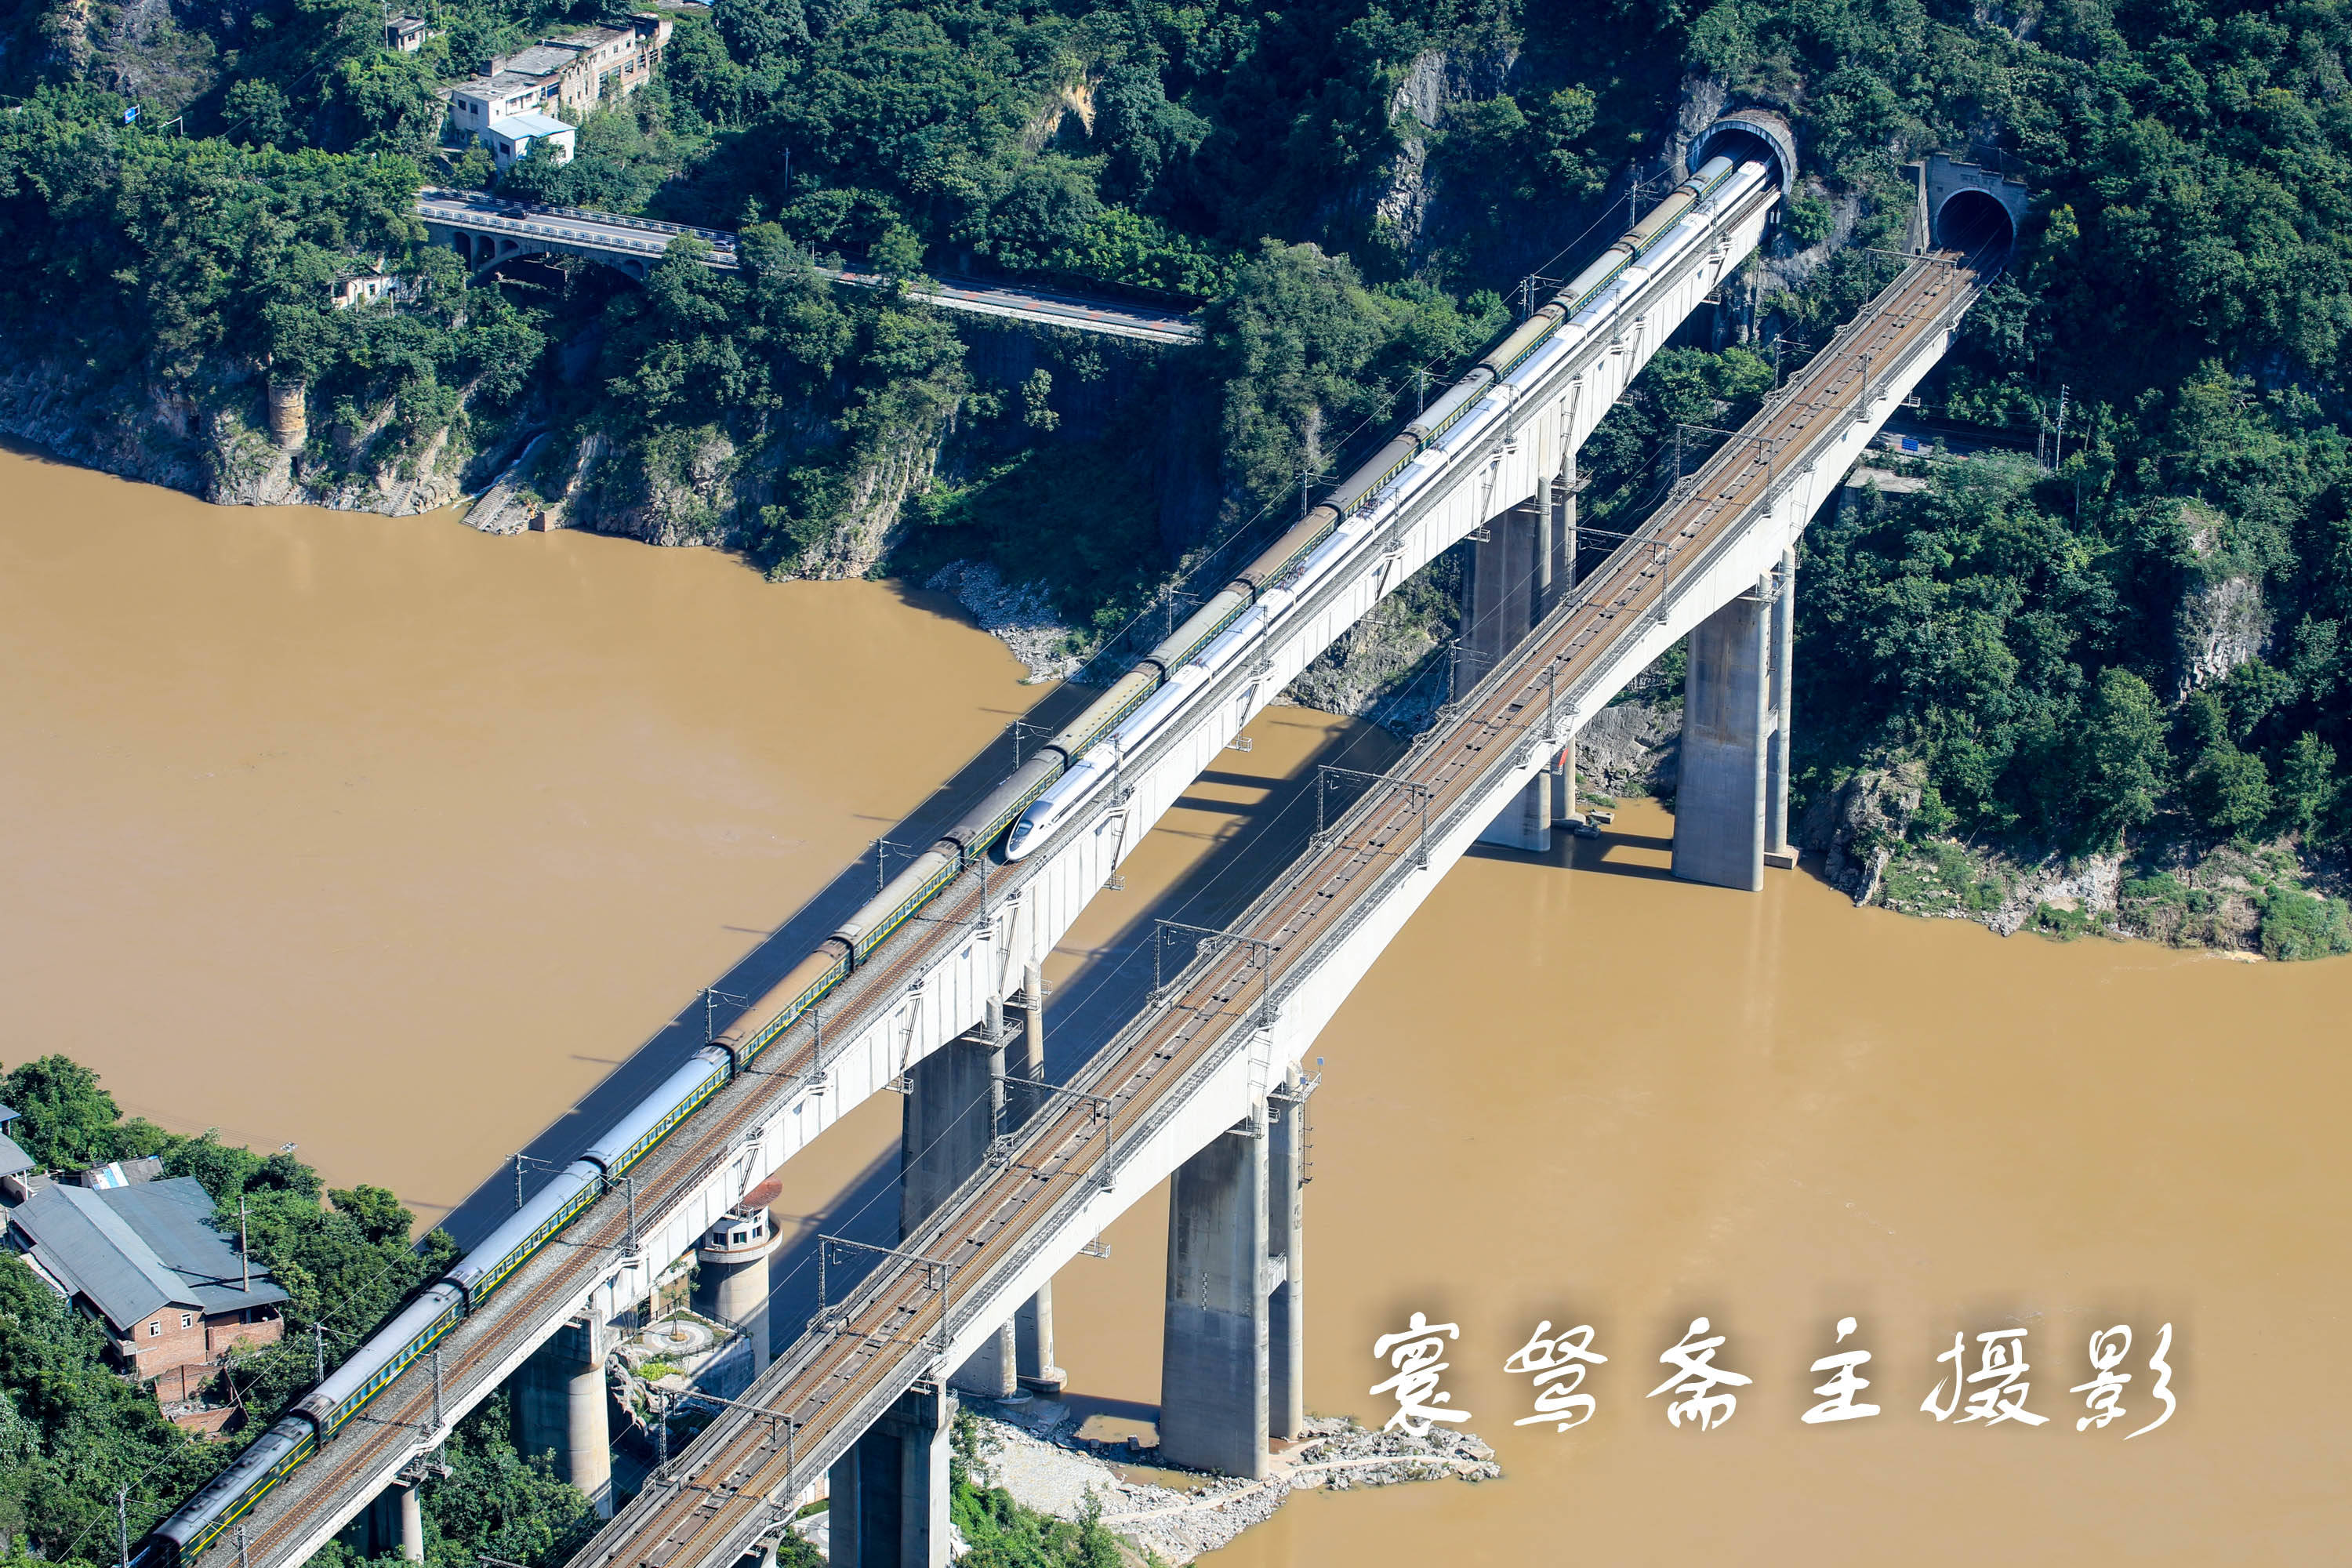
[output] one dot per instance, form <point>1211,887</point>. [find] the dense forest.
<point>2140,645</point>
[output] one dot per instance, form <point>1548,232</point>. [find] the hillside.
<point>2135,656</point>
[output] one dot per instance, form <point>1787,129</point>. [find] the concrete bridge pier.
<point>1233,1348</point>
<point>1032,1325</point>
<point>1286,1190</point>
<point>890,1490</point>
<point>1778,851</point>
<point>412,1521</point>
<point>1518,565</point>
<point>391,1523</point>
<point>1731,808</point>
<point>561,1404</point>
<point>948,1125</point>
<point>956,1105</point>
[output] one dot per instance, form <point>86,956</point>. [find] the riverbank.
<point>1034,1452</point>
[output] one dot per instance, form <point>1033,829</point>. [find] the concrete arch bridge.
<point>487,231</point>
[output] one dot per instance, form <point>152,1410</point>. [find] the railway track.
<point>728,1488</point>
<point>415,1409</point>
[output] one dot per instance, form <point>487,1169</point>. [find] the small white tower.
<point>734,1255</point>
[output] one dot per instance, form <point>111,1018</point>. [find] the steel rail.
<point>570,1269</point>
<point>887,1337</point>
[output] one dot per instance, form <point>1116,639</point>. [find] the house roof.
<point>521,127</point>
<point>132,1250</point>
<point>542,60</point>
<point>14,1161</point>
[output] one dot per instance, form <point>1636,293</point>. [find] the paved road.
<point>575,230</point>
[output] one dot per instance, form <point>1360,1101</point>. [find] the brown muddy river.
<point>389,838</point>
<point>385,837</point>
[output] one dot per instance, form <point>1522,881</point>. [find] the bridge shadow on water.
<point>1618,852</point>
<point>1256,838</point>
<point>1169,877</point>
<point>749,977</point>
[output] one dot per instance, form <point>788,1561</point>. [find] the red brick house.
<point>145,1260</point>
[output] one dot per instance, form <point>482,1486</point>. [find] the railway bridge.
<point>1204,1083</point>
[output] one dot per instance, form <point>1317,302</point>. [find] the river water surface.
<point>385,837</point>
<point>391,838</point>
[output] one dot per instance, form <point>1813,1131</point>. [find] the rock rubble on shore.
<point>1029,1453</point>
<point>1019,613</point>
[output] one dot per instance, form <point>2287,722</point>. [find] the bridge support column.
<point>948,1125</point>
<point>1556,553</point>
<point>1032,1325</point>
<point>1778,850</point>
<point>1725,805</point>
<point>561,1404</point>
<point>956,1105</point>
<point>412,1522</point>
<point>1286,1394</point>
<point>1508,586</point>
<point>890,1490</point>
<point>1033,1345</point>
<point>1216,1366</point>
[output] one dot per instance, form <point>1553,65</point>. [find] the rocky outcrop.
<point>1022,614</point>
<point>867,527</point>
<point>2087,887</point>
<point>1402,194</point>
<point>1856,827</point>
<point>134,48</point>
<point>214,436</point>
<point>511,504</point>
<point>1033,1453</point>
<point>1371,672</point>
<point>1630,748</point>
<point>2221,621</point>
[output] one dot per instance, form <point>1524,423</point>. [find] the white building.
<point>574,72</point>
<point>529,135</point>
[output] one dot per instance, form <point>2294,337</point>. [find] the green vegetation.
<point>1002,1533</point>
<point>72,1430</point>
<point>495,1502</point>
<point>344,1268</point>
<point>2142,650</point>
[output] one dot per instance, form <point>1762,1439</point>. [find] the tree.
<point>2231,789</point>
<point>762,33</point>
<point>2119,759</point>
<point>2307,785</point>
<point>68,1121</point>
<point>90,1431</point>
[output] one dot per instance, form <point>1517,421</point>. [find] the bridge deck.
<point>641,241</point>
<point>821,1393</point>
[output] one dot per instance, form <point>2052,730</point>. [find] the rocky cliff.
<point>223,436</point>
